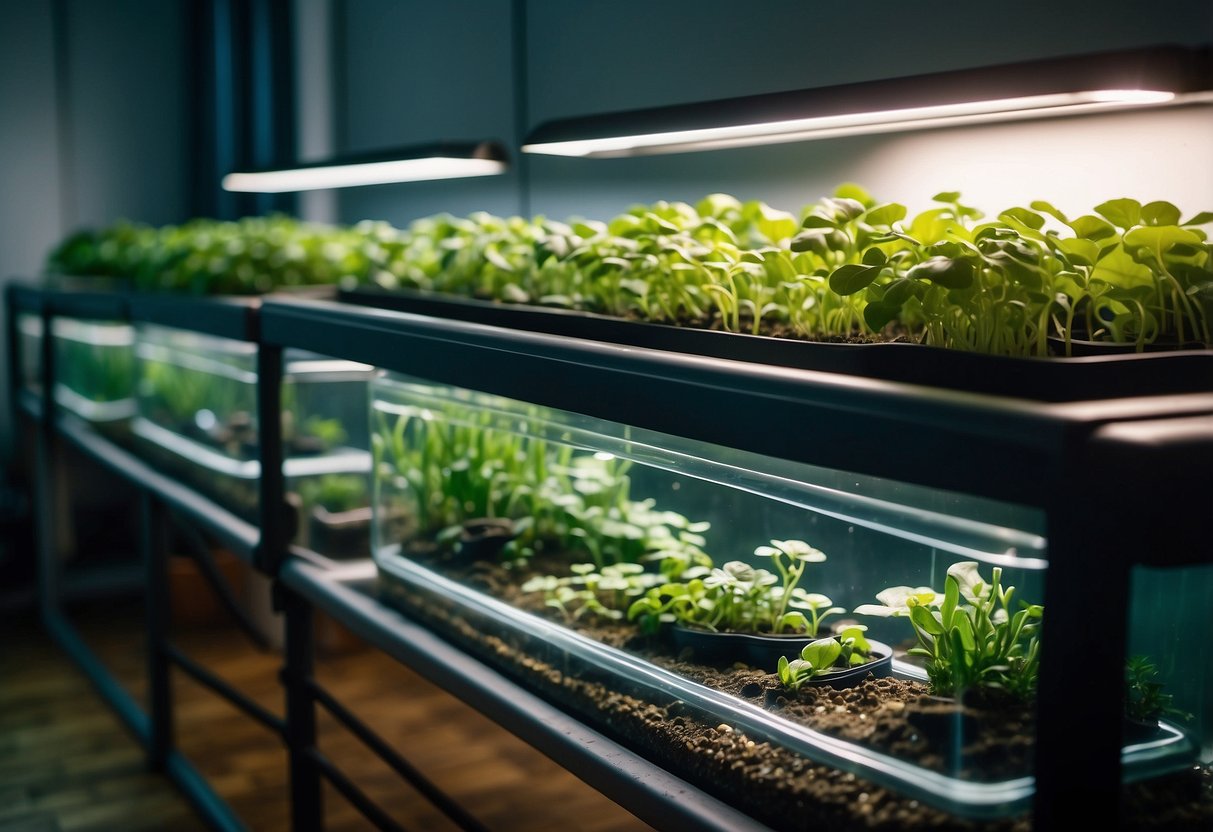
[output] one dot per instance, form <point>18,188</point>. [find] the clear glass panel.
<point>1169,696</point>
<point>197,398</point>
<point>29,347</point>
<point>325,405</point>
<point>593,562</point>
<point>95,369</point>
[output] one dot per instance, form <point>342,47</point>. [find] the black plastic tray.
<point>1039,379</point>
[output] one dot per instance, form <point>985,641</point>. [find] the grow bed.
<point>856,758</point>
<point>1107,372</point>
<point>578,488</point>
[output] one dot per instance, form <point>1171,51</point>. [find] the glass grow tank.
<point>779,633</point>
<point>197,419</point>
<point>29,351</point>
<point>94,366</point>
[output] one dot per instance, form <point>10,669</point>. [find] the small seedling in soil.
<point>850,648</point>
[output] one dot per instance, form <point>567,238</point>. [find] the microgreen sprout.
<point>850,648</point>
<point>737,597</point>
<point>605,592</point>
<point>968,634</point>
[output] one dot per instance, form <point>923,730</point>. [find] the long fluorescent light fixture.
<point>416,164</point>
<point>1037,89</point>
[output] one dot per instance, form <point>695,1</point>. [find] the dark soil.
<point>777,786</point>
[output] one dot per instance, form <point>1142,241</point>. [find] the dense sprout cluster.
<point>251,256</point>
<point>1029,282</point>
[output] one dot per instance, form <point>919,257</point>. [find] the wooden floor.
<point>67,764</point>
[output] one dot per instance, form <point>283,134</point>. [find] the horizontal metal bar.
<point>88,304</point>
<point>214,811</point>
<point>206,678</point>
<point>25,297</point>
<point>398,763</point>
<point>644,789</point>
<point>353,794</point>
<point>768,410</point>
<point>224,317</point>
<point>233,532</point>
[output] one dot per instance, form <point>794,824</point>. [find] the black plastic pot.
<point>1039,379</point>
<point>764,651</point>
<point>484,538</point>
<point>1137,731</point>
<point>341,534</point>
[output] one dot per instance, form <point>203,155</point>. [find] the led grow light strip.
<point>851,124</point>
<point>365,173</point>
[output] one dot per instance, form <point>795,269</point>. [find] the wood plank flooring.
<point>67,764</point>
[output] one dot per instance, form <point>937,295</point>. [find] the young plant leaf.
<point>925,620</point>
<point>1031,219</point>
<point>1093,228</point>
<point>1159,213</point>
<point>1123,213</point>
<point>885,214</point>
<point>851,278</point>
<point>944,271</point>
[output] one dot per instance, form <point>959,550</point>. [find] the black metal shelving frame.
<point>1072,460</point>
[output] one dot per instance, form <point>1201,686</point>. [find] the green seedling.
<point>335,493</point>
<point>738,597</point>
<point>1145,699</point>
<point>605,592</point>
<point>969,634</point>
<point>850,648</point>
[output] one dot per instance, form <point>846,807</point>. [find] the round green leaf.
<point>1123,213</point>
<point>945,271</point>
<point>851,278</point>
<point>877,314</point>
<point>886,214</point>
<point>1159,213</point>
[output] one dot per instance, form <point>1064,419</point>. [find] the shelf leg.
<point>307,811</point>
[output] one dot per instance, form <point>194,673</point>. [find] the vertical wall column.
<point>245,102</point>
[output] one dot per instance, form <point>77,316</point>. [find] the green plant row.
<point>446,464</point>
<point>251,256</point>
<point>847,267</point>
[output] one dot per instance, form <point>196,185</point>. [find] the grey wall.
<point>128,111</point>
<point>93,126</point>
<point>415,71</point>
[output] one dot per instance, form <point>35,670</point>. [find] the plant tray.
<point>1073,379</point>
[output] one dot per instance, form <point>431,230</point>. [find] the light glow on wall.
<point>860,123</point>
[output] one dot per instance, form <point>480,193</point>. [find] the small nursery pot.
<point>764,651</point>
<point>342,534</point>
<point>484,538</point>
<point>1136,731</point>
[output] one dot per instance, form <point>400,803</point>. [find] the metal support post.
<point>158,619</point>
<point>306,798</point>
<point>275,534</point>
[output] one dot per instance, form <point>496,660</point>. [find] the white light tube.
<point>850,124</point>
<point>366,173</point>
